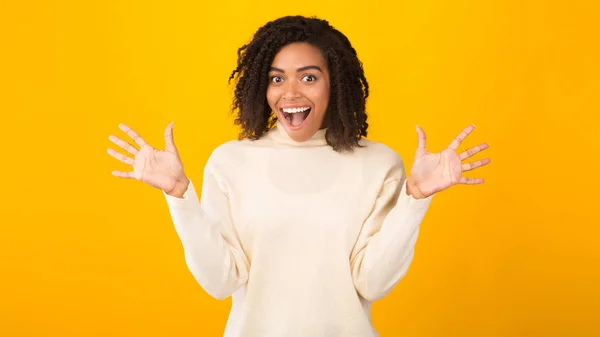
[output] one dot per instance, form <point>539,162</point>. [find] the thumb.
<point>170,142</point>
<point>421,138</point>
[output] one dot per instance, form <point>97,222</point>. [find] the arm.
<point>385,247</point>
<point>212,249</point>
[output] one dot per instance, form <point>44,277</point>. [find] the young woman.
<point>302,220</point>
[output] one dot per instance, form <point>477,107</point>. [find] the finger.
<point>422,138</point>
<point>121,174</point>
<point>136,138</point>
<point>475,164</point>
<point>121,157</point>
<point>472,151</point>
<point>169,140</point>
<point>459,139</point>
<point>123,144</point>
<point>471,181</point>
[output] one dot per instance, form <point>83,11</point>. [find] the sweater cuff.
<point>189,197</point>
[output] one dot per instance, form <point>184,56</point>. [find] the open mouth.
<point>296,116</point>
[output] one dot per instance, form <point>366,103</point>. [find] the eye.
<point>276,79</point>
<point>309,78</point>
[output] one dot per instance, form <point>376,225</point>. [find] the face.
<point>298,90</point>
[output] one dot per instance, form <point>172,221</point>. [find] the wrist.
<point>413,190</point>
<point>180,188</point>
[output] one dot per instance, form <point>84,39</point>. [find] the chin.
<point>300,136</point>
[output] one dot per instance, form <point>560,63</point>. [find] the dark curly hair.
<point>345,117</point>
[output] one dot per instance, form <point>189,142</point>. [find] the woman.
<point>302,221</point>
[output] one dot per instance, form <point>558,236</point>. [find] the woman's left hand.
<point>435,172</point>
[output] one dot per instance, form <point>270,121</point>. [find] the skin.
<point>299,78</point>
<point>435,172</point>
<point>431,172</point>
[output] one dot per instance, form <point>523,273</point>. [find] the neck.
<point>279,135</point>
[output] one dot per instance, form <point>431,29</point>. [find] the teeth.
<point>295,110</point>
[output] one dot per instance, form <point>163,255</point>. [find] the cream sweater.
<point>303,238</point>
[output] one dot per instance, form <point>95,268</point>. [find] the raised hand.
<point>161,169</point>
<point>435,172</point>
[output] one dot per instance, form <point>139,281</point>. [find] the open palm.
<point>435,172</point>
<point>161,169</point>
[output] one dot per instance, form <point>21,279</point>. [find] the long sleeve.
<point>385,247</point>
<point>213,252</point>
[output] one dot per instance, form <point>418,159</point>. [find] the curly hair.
<point>345,117</point>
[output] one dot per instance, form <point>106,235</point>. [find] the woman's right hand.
<point>158,168</point>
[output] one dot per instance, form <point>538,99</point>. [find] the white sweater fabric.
<point>303,238</point>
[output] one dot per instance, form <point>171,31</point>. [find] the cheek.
<point>321,96</point>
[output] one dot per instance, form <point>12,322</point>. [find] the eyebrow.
<point>299,69</point>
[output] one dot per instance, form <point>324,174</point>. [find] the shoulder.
<point>381,158</point>
<point>379,153</point>
<point>228,153</point>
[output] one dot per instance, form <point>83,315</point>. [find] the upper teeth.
<point>294,110</point>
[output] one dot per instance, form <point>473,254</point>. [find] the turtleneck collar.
<point>279,135</point>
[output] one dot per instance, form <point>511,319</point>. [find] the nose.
<point>290,91</point>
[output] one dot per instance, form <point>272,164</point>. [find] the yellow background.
<point>83,253</point>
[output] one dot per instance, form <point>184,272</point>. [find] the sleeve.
<point>213,252</point>
<point>385,246</point>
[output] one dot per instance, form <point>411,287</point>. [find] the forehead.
<point>298,54</point>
